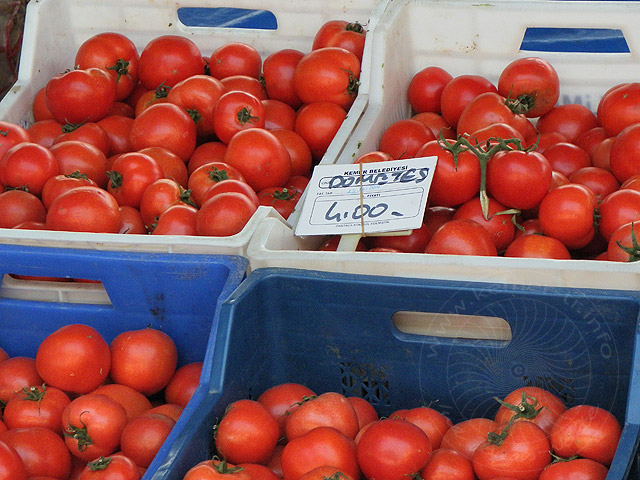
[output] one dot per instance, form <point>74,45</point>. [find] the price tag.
<point>366,198</point>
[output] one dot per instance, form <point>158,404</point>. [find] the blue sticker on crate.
<point>591,40</point>
<point>227,18</point>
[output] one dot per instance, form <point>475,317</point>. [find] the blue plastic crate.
<point>179,295</point>
<point>335,332</point>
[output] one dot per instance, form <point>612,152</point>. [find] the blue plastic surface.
<point>227,17</point>
<point>334,332</point>
<point>179,295</point>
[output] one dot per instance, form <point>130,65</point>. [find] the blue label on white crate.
<point>366,198</point>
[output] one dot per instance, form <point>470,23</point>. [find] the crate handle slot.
<point>44,290</point>
<point>453,325</point>
<point>574,40</point>
<point>227,17</point>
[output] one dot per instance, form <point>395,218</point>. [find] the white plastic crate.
<point>49,48</point>
<point>468,38</point>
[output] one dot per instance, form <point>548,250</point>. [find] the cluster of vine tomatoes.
<point>85,409</point>
<point>171,140</point>
<point>291,433</point>
<point>511,162</point>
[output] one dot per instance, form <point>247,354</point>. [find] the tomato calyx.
<point>523,104</point>
<point>70,127</point>
<point>304,400</point>
<point>100,464</point>
<point>80,434</point>
<point>244,116</point>
<point>194,114</point>
<point>162,91</point>
<point>218,175</point>
<point>524,409</point>
<point>557,459</point>
<point>4,133</point>
<point>287,193</point>
<point>354,84</point>
<point>78,175</point>
<point>120,67</point>
<point>634,250</point>
<point>33,394</point>
<point>354,27</point>
<point>185,197</point>
<point>336,476</point>
<point>115,177</point>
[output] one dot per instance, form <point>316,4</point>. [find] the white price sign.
<point>366,198</point>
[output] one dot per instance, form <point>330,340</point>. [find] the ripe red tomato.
<point>259,472</point>
<point>159,196</point>
<point>447,464</point>
<point>282,199</point>
<point>590,139</point>
<point>131,221</point>
<point>585,430</point>
<point>134,402</point>
<point>278,115</point>
<point>17,373</point>
<point>11,134</point>
<point>436,124</point>
<point>83,95</point>
<point>115,53</point>
<point>260,157</point>
<point>518,179</point>
<point>118,129</point>
<point>403,138</point>
<point>531,84</point>
<point>11,465</point>
<point>624,154</point>
<point>486,109</point>
<point>318,447</point>
<point>500,226</point>
<point>520,451</point>
<point>150,97</point>
<point>27,165</point>
<point>459,92</point>
<point>340,33</point>
<point>299,151</point>
<point>365,411</point>
<point>173,167</point>
<point>207,152</point>
<point>280,400</point>
<point>391,449</point>
<point>329,409</point>
<point>325,471</point>
<point>278,69</point>
<point>113,467</point>
<point>169,409</point>
<point>462,237</point>
<point>236,111</point>
<point>465,436</point>
<point>169,59</point>
<point>18,207</point>
<point>528,400</point>
<point>157,127</point>
<point>144,359</point>
<point>235,58</point>
<point>571,120</point>
<point>92,425</point>
<point>43,452</point>
<point>36,406</point>
<point>183,384</point>
<point>75,358</point>
<point>426,87</point>
<point>207,175</point>
<point>232,185</point>
<point>601,154</point>
<point>489,135</point>
<point>143,436</point>
<point>617,209</point>
<point>76,156</point>
<point>60,184</point>
<point>617,108</point>
<point>176,220</point>
<point>430,421</point>
<point>578,469</point>
<point>623,245</point>
<point>43,132</point>
<point>215,470</point>
<point>224,214</point>
<point>415,242</point>
<point>600,181</point>
<point>247,84</point>
<point>84,209</point>
<point>538,246</point>
<point>130,175</point>
<point>247,433</point>
<point>566,158</point>
<point>318,123</point>
<point>327,74</point>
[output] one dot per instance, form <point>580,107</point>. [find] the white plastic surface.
<point>56,28</point>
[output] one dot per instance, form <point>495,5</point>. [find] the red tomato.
<point>425,89</point>
<point>436,216</point>
<point>544,140</point>
<point>617,108</point>
<point>131,221</point>
<point>260,157</point>
<point>566,158</point>
<point>526,401</point>
<point>430,421</point>
<point>318,447</point>
<point>329,409</point>
<point>459,92</point>
<point>207,175</point>
<point>520,450</point>
<point>17,373</point>
<point>318,123</point>
<point>130,175</point>
<point>118,129</point>
<point>12,134</point>
<point>27,165</point>
<point>278,115</point>
<point>518,179</point>
<point>159,196</point>
<point>403,138</point>
<point>39,106</point>
<point>601,156</point>
<point>75,358</point>
<point>283,200</point>
<point>486,109</point>
<point>590,139</point>
<point>299,151</point>
<point>538,246</point>
<point>365,411</point>
<point>143,436</point>
<point>500,226</point>
<point>183,384</point>
<point>325,472</point>
<point>571,120</point>
<point>462,237</point>
<point>134,402</point>
<point>588,431</point>
<point>176,220</point>
<point>43,132</point>
<point>624,155</point>
<point>436,124</point>
<point>278,69</point>
<point>232,185</point>
<point>207,152</point>
<point>578,469</point>
<point>149,98</point>
<point>489,135</point>
<point>280,400</point>
<point>391,449</point>
<point>43,452</point>
<point>415,242</point>
<point>83,95</point>
<point>464,437</point>
<point>173,167</point>
<point>76,156</point>
<point>157,127</point>
<point>113,467</point>
<point>340,33</point>
<point>224,214</point>
<point>600,181</point>
<point>169,59</point>
<point>215,470</point>
<point>258,472</point>
<point>36,406</point>
<point>11,465</point>
<point>92,425</point>
<point>327,74</point>
<point>18,207</point>
<point>372,157</point>
<point>235,58</point>
<point>447,464</point>
<point>245,84</point>
<point>144,359</point>
<point>115,53</point>
<point>531,84</point>
<point>566,213</point>
<point>236,111</point>
<point>623,245</point>
<point>618,208</point>
<point>198,95</point>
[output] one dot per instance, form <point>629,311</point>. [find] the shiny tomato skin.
<point>169,59</point>
<point>282,199</point>
<point>403,138</point>
<point>278,115</point>
<point>566,158</point>
<point>74,358</point>
<point>500,226</point>
<point>183,384</point>
<point>131,221</point>
<point>318,447</point>
<point>36,406</point>
<point>617,209</point>
<point>462,237</point>
<point>76,156</point>
<point>415,242</point>
<point>207,152</point>
<point>624,153</point>
<point>523,454</point>
<point>571,120</point>
<point>159,196</point>
<point>484,110</point>
<point>236,111</point>
<point>247,433</point>
<point>425,89</point>
<point>550,405</point>
<point>589,431</point>
<point>247,84</point>
<point>224,214</point>
<point>89,132</point>
<point>447,464</point>
<point>433,423</point>
<point>624,237</point>
<point>118,129</point>
<point>207,175</point>
<point>281,399</point>
<point>617,108</point>
<point>465,436</point>
<point>27,165</point>
<point>113,467</point>
<point>143,436</point>
<point>130,175</point>
<point>43,452</point>
<point>18,206</point>
<point>459,92</point>
<point>299,151</point>
<point>278,69</point>
<point>538,246</point>
<point>235,58</point>
<point>11,465</point>
<point>134,402</point>
<point>172,166</point>
<point>329,409</point>
<point>318,123</point>
<point>436,124</point>
<point>575,469</point>
<point>17,373</point>
<point>365,411</point>
<point>391,449</point>
<point>11,134</point>
<point>343,34</point>
<point>178,219</point>
<point>232,185</point>
<point>601,182</point>
<point>44,132</point>
<point>213,470</point>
